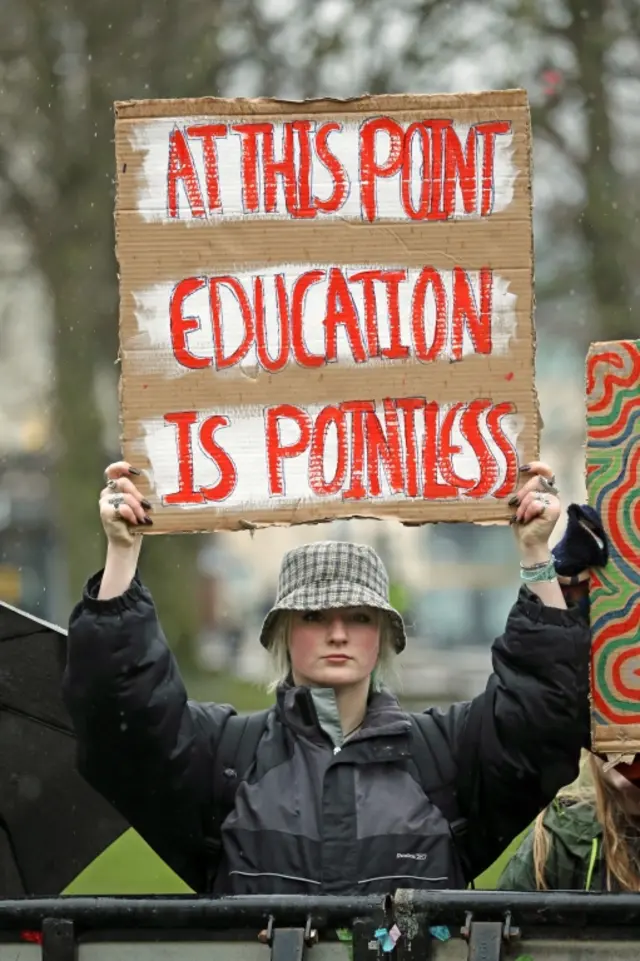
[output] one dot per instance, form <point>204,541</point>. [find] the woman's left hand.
<point>536,509</point>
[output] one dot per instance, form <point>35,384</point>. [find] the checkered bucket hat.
<point>331,574</point>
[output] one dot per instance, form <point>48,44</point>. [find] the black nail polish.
<point>513,520</point>
<point>513,500</point>
<point>148,520</point>
<point>135,471</point>
<point>525,468</point>
<point>148,506</point>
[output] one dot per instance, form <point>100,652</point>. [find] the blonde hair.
<point>384,673</point>
<point>593,787</point>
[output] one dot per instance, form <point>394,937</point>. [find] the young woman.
<point>588,839</point>
<point>346,793</point>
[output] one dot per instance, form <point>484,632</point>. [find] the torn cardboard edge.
<point>240,524</point>
<point>156,108</point>
<point>617,740</point>
<point>175,520</point>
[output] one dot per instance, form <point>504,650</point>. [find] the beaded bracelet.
<point>544,571</point>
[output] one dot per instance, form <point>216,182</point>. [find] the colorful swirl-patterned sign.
<point>613,481</point>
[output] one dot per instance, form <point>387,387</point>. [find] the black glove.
<point>584,545</point>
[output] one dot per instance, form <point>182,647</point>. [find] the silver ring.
<point>112,484</point>
<point>548,485</point>
<point>542,499</point>
<point>116,502</point>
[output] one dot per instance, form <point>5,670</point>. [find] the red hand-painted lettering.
<point>471,425</point>
<point>283,168</point>
<point>332,416</point>
<point>447,449</point>
<point>383,444</point>
<point>339,176</point>
<point>300,288</point>
<point>208,133</point>
<point>409,406</point>
<point>228,474</point>
<point>460,168</point>
<point>305,207</point>
<point>432,458</point>
<point>505,446</point>
<point>250,134</point>
<point>341,311</point>
<point>358,410</point>
<point>366,442</point>
<point>421,212</point>
<point>437,129</point>
<point>240,294</point>
<point>391,279</point>
<point>180,325</point>
<point>467,313</point>
<point>370,167</point>
<point>276,450</point>
<point>273,365</point>
<point>429,279</point>
<point>488,132</point>
<point>187,493</point>
<point>182,170</point>
<point>368,278</point>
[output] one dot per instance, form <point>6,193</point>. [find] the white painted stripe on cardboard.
<point>151,137</point>
<point>244,441</point>
<point>153,341</point>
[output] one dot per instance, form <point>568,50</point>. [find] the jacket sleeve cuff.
<point>531,605</point>
<point>135,593</point>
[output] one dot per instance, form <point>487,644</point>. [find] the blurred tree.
<point>587,111</point>
<point>63,63</point>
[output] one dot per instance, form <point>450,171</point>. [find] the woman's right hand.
<point>122,507</point>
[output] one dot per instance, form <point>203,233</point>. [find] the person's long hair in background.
<point>614,796</point>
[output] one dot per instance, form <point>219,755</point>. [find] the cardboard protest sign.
<point>613,475</point>
<point>326,307</point>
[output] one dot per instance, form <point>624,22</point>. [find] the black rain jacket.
<point>315,814</point>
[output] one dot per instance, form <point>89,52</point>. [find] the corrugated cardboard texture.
<point>613,470</point>
<point>156,252</point>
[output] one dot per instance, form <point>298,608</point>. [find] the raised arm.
<point>141,743</point>
<point>519,742</point>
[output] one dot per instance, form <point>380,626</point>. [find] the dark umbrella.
<point>52,824</point>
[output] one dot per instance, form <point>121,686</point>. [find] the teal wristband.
<point>539,572</point>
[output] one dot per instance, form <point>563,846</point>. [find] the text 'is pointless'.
<point>354,450</point>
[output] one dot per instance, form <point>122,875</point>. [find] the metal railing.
<point>486,922</point>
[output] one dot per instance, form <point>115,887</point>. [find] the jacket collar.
<point>575,823</point>
<point>313,713</point>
